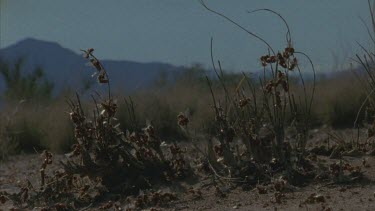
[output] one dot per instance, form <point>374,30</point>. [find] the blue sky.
<point>179,31</point>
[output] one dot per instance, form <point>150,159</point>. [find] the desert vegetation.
<point>270,133</point>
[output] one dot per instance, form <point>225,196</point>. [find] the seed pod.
<point>150,130</point>
<point>96,64</point>
<point>290,50</point>
<point>109,107</point>
<point>243,102</point>
<point>269,86</point>
<point>102,78</point>
<point>286,55</point>
<point>293,64</point>
<point>280,74</point>
<point>283,64</point>
<point>182,120</point>
<point>264,60</point>
<point>272,59</point>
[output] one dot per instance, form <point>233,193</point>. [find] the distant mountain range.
<point>66,68</point>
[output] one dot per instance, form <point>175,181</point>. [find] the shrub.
<point>260,119</point>
<point>21,86</point>
<point>122,162</point>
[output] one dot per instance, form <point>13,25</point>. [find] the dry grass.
<point>338,101</point>
<point>36,127</point>
<point>47,126</point>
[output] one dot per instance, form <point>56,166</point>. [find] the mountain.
<point>67,69</point>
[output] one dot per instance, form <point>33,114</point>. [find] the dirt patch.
<point>203,195</point>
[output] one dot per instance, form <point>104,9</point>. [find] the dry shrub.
<point>103,158</point>
<point>123,162</point>
<point>260,119</point>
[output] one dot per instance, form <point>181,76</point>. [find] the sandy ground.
<point>358,195</point>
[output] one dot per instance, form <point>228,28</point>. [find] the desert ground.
<point>205,194</point>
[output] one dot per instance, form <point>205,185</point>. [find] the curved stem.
<point>314,79</point>
<point>288,34</point>
<point>238,25</point>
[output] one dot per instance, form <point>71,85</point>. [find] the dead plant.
<point>260,120</point>
<point>103,159</point>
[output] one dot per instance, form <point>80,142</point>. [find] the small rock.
<point>236,206</point>
<point>315,198</point>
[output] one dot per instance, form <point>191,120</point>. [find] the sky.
<point>179,31</point>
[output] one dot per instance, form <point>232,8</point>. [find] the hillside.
<point>67,69</point>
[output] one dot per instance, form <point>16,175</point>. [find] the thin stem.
<point>288,34</point>
<point>238,25</point>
